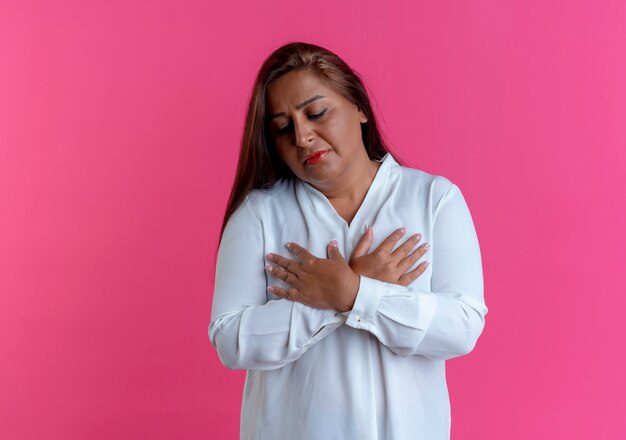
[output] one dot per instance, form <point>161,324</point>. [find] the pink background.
<point>119,131</point>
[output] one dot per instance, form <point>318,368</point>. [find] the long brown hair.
<point>259,165</point>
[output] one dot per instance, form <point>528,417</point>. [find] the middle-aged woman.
<point>320,293</point>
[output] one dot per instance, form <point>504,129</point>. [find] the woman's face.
<point>306,117</point>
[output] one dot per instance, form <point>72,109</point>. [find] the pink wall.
<point>119,130</point>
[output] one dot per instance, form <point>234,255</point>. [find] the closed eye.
<point>318,115</point>
<point>312,117</point>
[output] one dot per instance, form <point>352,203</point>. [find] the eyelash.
<point>313,117</point>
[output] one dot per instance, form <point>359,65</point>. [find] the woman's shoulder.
<point>254,204</point>
<point>419,180</point>
<point>424,189</point>
<point>258,197</point>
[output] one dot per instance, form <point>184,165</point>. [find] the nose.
<point>304,133</point>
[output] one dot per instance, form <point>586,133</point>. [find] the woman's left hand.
<point>317,282</point>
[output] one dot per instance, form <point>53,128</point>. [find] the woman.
<point>344,333</point>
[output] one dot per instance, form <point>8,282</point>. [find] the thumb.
<point>333,251</point>
<point>364,244</point>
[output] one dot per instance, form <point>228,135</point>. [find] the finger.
<point>281,274</point>
<point>364,244</point>
<point>409,277</point>
<point>333,251</point>
<point>291,294</point>
<point>406,247</point>
<point>300,252</point>
<point>414,256</point>
<point>389,242</point>
<point>290,265</point>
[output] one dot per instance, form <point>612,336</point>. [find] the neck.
<point>354,182</point>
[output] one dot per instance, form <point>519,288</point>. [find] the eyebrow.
<point>299,106</point>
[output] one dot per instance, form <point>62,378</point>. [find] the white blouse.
<point>378,371</point>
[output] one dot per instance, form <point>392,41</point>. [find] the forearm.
<point>269,336</point>
<point>409,322</point>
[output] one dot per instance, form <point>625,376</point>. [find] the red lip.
<point>315,157</point>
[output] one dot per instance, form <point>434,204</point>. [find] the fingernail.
<point>367,227</point>
<point>270,289</point>
<point>403,229</point>
<point>268,267</point>
<point>427,246</point>
<point>288,245</point>
<point>333,243</point>
<point>426,264</point>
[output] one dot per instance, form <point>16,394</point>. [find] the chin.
<point>320,180</point>
<point>320,172</point>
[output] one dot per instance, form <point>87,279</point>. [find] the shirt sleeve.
<point>445,322</point>
<point>248,331</point>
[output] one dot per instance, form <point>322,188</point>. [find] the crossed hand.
<point>333,283</point>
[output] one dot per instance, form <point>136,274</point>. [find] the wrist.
<point>350,294</point>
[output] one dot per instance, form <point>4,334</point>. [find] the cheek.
<point>288,155</point>
<point>282,152</point>
<point>341,131</point>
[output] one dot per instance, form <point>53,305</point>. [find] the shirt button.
<point>336,314</point>
<point>358,318</point>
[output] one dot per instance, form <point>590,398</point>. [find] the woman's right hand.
<point>384,265</point>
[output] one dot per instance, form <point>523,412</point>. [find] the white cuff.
<point>366,303</point>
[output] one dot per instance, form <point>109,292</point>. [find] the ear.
<point>362,116</point>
